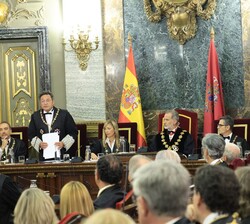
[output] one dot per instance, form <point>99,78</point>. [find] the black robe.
<point>182,142</point>
<point>244,144</point>
<point>63,124</point>
<point>19,148</point>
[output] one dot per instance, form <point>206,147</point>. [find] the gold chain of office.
<point>41,114</point>
<point>176,143</point>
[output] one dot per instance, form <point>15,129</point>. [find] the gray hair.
<point>168,155</point>
<point>161,183</point>
<point>215,145</point>
<point>175,114</point>
<point>231,152</point>
<point>136,162</point>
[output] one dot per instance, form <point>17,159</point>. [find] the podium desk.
<point>52,176</point>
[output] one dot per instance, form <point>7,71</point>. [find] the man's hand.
<point>59,145</point>
<point>43,145</point>
<point>4,143</point>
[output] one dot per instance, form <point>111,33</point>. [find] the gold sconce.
<point>82,47</point>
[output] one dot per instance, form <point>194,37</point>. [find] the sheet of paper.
<point>49,152</point>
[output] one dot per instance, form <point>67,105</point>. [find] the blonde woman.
<point>109,216</point>
<point>110,142</point>
<point>35,206</point>
<point>75,197</point>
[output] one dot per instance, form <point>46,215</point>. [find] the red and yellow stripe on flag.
<point>131,108</point>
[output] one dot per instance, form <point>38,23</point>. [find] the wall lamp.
<point>82,47</point>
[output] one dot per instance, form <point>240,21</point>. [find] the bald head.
<point>168,155</point>
<point>135,162</point>
<point>231,152</point>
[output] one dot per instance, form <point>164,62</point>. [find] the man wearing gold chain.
<point>173,137</point>
<point>10,147</point>
<point>50,119</point>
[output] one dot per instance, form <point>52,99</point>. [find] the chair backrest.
<point>128,130</point>
<point>241,128</point>
<point>126,200</point>
<point>188,121</point>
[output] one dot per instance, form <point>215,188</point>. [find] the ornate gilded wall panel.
<point>24,72</point>
<point>20,76</point>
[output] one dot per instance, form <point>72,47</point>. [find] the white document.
<point>51,139</point>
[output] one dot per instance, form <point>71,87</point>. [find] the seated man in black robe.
<point>225,129</point>
<point>108,176</point>
<point>10,148</point>
<point>173,137</point>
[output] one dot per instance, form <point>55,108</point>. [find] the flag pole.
<point>212,33</point>
<point>130,40</point>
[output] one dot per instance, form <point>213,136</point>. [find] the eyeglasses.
<point>221,125</point>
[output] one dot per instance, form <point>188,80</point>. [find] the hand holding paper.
<point>51,139</point>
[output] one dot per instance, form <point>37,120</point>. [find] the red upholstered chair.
<point>123,202</point>
<point>238,162</point>
<point>188,121</point>
<point>128,130</point>
<point>241,128</point>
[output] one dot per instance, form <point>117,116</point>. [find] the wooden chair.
<point>128,130</point>
<point>188,121</point>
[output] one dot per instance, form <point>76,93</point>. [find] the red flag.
<point>214,101</point>
<point>130,108</point>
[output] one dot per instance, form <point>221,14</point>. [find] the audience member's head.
<point>231,152</point>
<point>109,216</point>
<point>109,170</point>
<point>135,162</point>
<point>243,175</point>
<point>75,197</point>
<point>216,190</point>
<point>213,146</point>
<point>225,125</point>
<point>35,206</point>
<point>156,186</point>
<point>168,155</point>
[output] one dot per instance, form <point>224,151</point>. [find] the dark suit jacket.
<point>182,139</point>
<point>9,195</point>
<point>98,147</point>
<point>244,144</point>
<point>19,148</point>
<point>245,220</point>
<point>183,220</point>
<point>64,124</point>
<point>109,197</point>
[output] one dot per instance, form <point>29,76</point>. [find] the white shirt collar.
<point>173,220</point>
<point>104,188</point>
<point>215,161</point>
<point>210,218</point>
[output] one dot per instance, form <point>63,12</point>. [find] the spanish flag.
<point>214,101</point>
<point>131,108</point>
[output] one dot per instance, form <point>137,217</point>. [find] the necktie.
<point>171,132</point>
<point>47,113</point>
<point>228,137</point>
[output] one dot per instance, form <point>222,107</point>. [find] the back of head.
<point>75,197</point>
<point>231,152</point>
<point>168,155</point>
<point>135,162</point>
<point>109,169</point>
<point>214,144</point>
<point>161,183</point>
<point>243,175</point>
<point>34,206</point>
<point>109,216</point>
<point>218,187</point>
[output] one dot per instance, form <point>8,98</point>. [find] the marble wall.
<point>171,75</point>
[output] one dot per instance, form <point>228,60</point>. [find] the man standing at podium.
<point>173,137</point>
<point>50,119</point>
